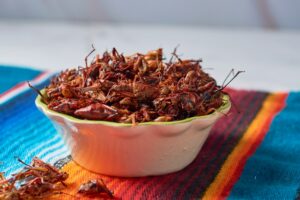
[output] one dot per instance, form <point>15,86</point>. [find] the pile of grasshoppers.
<point>134,89</point>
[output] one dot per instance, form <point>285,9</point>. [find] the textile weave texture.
<point>254,154</point>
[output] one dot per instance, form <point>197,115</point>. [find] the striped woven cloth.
<point>252,155</point>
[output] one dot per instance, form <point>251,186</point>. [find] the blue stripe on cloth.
<point>11,75</point>
<point>273,172</point>
<point>25,132</point>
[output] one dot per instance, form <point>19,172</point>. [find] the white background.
<point>282,14</point>
<point>260,36</point>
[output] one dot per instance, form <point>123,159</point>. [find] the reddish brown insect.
<point>95,188</point>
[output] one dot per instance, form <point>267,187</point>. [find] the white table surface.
<point>271,59</point>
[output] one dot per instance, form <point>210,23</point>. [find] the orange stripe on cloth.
<point>79,175</point>
<point>233,166</point>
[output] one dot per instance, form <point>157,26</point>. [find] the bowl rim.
<point>222,109</point>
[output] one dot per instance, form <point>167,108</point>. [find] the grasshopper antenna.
<point>86,58</point>
<point>38,92</point>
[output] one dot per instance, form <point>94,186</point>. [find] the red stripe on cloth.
<point>217,151</point>
<point>20,85</point>
<point>220,153</point>
<point>253,148</point>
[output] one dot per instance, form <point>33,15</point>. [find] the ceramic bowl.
<point>118,149</point>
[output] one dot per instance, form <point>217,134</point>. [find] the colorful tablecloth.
<point>251,155</point>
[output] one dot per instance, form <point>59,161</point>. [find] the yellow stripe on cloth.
<point>232,167</point>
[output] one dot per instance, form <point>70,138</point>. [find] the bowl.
<point>119,149</point>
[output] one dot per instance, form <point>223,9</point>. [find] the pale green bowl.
<point>120,149</point>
